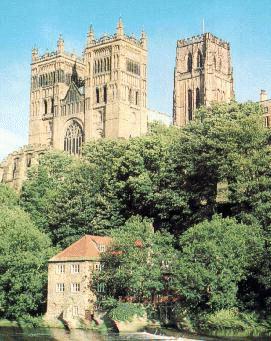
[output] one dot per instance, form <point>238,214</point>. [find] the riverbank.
<point>8,323</point>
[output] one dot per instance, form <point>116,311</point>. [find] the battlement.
<point>203,37</point>
<point>111,38</point>
<point>49,55</point>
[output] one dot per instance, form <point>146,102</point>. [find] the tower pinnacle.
<point>90,36</point>
<point>143,39</point>
<point>120,30</point>
<point>60,44</point>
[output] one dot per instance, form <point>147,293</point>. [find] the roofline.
<point>73,259</point>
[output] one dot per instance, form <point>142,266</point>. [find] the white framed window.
<point>98,267</point>
<point>101,247</point>
<point>75,311</point>
<point>75,287</point>
<point>60,287</point>
<point>101,287</point>
<point>75,268</point>
<point>60,268</point>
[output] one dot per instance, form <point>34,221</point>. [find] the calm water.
<point>15,334</point>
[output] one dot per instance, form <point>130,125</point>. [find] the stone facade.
<point>203,74</point>
<point>265,102</point>
<point>102,94</point>
<point>70,293</point>
<point>13,170</point>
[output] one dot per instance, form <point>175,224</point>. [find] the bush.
<point>126,311</point>
<point>234,321</point>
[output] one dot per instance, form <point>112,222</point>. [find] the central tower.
<point>115,85</point>
<point>203,74</point>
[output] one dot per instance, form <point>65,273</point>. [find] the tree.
<point>39,191</point>
<point>8,196</point>
<point>215,257</point>
<point>24,253</point>
<point>135,264</point>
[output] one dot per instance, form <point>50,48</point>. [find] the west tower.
<point>203,74</point>
<point>102,94</point>
<point>116,85</point>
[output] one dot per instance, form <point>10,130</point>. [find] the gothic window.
<point>97,95</point>
<point>52,105</point>
<point>136,98</point>
<point>15,167</point>
<point>45,107</point>
<point>197,98</point>
<point>28,160</point>
<point>190,102</point>
<point>189,62</point>
<point>130,95</point>
<point>199,60</point>
<point>73,138</point>
<point>214,63</point>
<point>105,94</point>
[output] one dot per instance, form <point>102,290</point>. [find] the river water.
<point>16,334</point>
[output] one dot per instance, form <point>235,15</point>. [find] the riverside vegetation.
<point>194,203</point>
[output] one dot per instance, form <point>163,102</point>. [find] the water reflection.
<point>16,334</point>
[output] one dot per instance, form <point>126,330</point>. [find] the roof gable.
<point>86,248</point>
<point>73,94</point>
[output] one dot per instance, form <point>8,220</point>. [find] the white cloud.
<point>9,142</point>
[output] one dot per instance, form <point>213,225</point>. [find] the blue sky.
<point>245,24</point>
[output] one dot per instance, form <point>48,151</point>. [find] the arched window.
<point>45,107</point>
<point>190,104</point>
<point>189,62</point>
<point>130,95</point>
<point>105,94</point>
<point>136,98</point>
<point>15,167</point>
<point>52,106</point>
<point>73,138</point>
<point>197,98</point>
<point>97,95</point>
<point>199,60</point>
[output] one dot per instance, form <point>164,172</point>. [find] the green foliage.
<point>8,196</point>
<point>171,177</point>
<point>233,321</point>
<point>215,256</point>
<point>133,266</point>
<point>125,311</point>
<point>24,252</point>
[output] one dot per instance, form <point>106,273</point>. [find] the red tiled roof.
<point>83,249</point>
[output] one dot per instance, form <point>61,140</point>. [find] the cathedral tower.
<point>52,109</point>
<point>203,74</point>
<point>102,94</point>
<point>115,85</point>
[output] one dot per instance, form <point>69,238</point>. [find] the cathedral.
<point>103,94</point>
